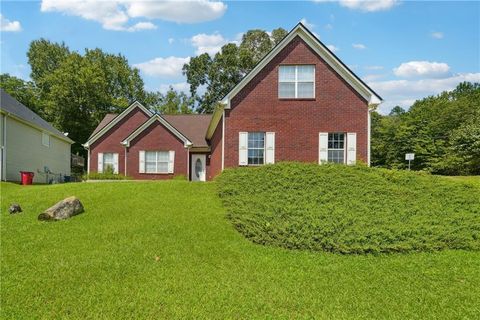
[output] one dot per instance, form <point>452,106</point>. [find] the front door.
<point>199,169</point>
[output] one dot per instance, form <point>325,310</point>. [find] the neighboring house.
<point>29,143</point>
<point>300,103</point>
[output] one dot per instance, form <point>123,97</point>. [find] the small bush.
<point>343,209</point>
<point>105,176</point>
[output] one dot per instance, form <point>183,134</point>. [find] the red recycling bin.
<point>27,177</point>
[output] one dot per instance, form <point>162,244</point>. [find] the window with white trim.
<point>296,82</point>
<point>109,162</point>
<point>336,147</point>
<point>156,161</point>
<point>45,139</point>
<point>256,148</point>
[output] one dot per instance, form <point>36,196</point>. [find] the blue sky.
<point>403,49</point>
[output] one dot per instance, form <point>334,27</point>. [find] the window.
<point>156,161</point>
<point>46,139</point>
<point>296,81</point>
<point>336,147</point>
<point>109,163</point>
<point>256,148</point>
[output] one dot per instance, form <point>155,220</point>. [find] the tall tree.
<point>23,91</point>
<point>173,102</point>
<point>211,78</point>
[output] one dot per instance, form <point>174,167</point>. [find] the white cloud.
<point>437,35</point>
<point>177,11</point>
<point>373,67</point>
<point>423,69</point>
<point>171,40</point>
<point>332,48</point>
<point>163,67</point>
<point>372,77</point>
<point>359,46</point>
<point>405,92</point>
<point>307,24</point>
<point>365,5</point>
<point>328,26</point>
<point>208,43</point>
<point>115,14</point>
<point>9,26</point>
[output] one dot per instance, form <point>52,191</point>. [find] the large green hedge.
<point>343,209</point>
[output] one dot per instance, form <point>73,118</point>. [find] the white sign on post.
<point>409,156</point>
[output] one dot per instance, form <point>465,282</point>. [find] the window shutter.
<point>100,163</point>
<point>270,147</point>
<point>322,147</point>
<point>171,161</point>
<point>243,148</point>
<point>115,163</point>
<point>351,148</point>
<point>141,161</point>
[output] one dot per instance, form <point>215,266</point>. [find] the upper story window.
<point>46,139</point>
<point>296,82</point>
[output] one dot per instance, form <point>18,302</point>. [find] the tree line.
<point>74,91</point>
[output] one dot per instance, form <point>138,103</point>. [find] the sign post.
<point>409,157</point>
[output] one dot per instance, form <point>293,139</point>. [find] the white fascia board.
<point>115,121</point>
<point>145,125</point>
<point>321,50</point>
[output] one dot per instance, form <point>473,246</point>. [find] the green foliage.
<point>173,102</point>
<point>164,250</point>
<point>24,92</point>
<point>107,175</point>
<point>358,210</point>
<point>431,129</point>
<point>219,74</point>
<point>76,91</point>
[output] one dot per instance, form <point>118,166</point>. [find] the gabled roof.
<point>108,117</point>
<point>193,126</point>
<point>96,135</point>
<point>330,58</point>
<point>313,42</point>
<point>165,123</point>
<point>17,110</point>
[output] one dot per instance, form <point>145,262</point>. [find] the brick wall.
<point>296,123</point>
<point>110,142</point>
<point>156,138</point>
<point>216,153</point>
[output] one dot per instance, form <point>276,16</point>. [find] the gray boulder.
<point>64,209</point>
<point>14,208</point>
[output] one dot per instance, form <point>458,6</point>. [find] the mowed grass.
<point>102,264</point>
<point>344,209</point>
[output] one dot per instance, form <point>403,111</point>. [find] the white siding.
<point>25,152</point>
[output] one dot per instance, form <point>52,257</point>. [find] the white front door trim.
<point>199,167</point>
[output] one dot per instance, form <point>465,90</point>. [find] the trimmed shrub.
<point>105,176</point>
<point>342,209</point>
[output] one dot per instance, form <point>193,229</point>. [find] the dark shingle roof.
<point>106,120</point>
<point>9,105</point>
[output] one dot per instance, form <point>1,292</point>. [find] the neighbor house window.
<point>46,139</point>
<point>109,162</point>
<point>256,148</point>
<point>296,81</point>
<point>336,147</point>
<point>156,161</point>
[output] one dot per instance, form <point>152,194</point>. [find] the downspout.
<point>223,140</point>
<point>188,163</point>
<point>369,132</point>
<point>88,162</point>
<point>125,160</point>
<point>4,147</point>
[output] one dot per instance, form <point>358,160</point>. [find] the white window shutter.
<point>141,161</point>
<point>243,148</point>
<point>171,161</point>
<point>100,163</point>
<point>115,163</point>
<point>351,148</point>
<point>270,147</point>
<point>322,147</point>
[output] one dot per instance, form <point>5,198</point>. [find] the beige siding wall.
<point>2,167</point>
<point>25,152</point>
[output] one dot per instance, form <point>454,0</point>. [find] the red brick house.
<point>300,103</point>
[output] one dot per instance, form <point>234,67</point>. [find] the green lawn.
<point>101,264</point>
